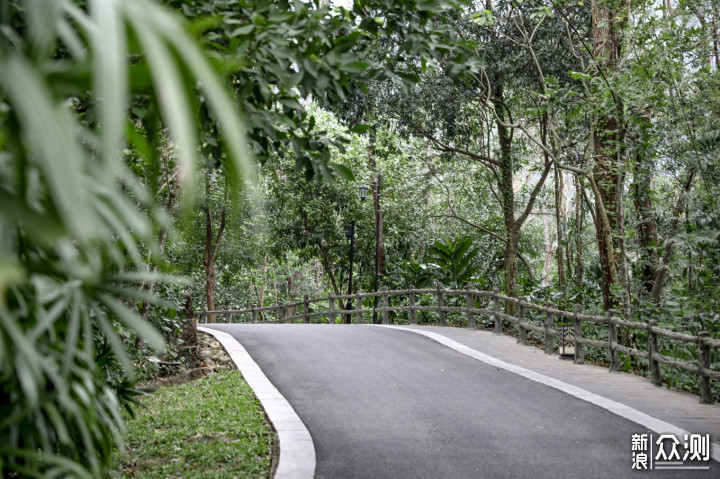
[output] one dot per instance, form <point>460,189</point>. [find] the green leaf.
<point>49,131</point>
<point>360,129</point>
<point>110,77</point>
<point>354,67</point>
<point>134,322</point>
<point>244,30</point>
<point>174,103</point>
<point>342,170</point>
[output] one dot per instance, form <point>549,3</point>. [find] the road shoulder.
<point>296,448</point>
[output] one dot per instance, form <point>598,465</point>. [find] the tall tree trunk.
<point>507,195</point>
<point>377,208</point>
<point>608,136</point>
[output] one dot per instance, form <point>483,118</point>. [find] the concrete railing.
<point>332,308</point>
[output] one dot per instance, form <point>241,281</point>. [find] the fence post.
<point>549,325</point>
<point>254,313</point>
<point>470,306</point>
<point>228,318</point>
<point>411,300</point>
<point>612,342</point>
<point>496,311</point>
<point>205,315</point>
<point>386,305</point>
<point>306,313</point>
<point>441,304</point>
<point>579,353</point>
<point>280,312</point>
<point>358,315</point>
<point>703,350</point>
<point>522,332</point>
<point>655,378</point>
<point>331,308</point>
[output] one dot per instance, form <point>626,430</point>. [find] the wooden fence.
<point>334,307</point>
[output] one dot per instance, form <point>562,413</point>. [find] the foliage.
<point>454,259</point>
<point>77,225</point>
<point>273,77</point>
<point>416,274</point>
<point>212,427</point>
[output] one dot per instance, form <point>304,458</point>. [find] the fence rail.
<point>325,308</point>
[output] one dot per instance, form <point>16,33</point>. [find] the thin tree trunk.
<point>559,221</point>
<point>578,231</point>
<point>548,248</point>
<point>377,208</point>
<point>263,286</point>
<point>170,206</point>
<point>211,249</point>
<point>621,255</point>
<point>669,244</point>
<point>381,239</point>
<point>329,270</point>
<point>647,226</point>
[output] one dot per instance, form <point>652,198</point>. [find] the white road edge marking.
<point>296,459</point>
<point>652,423</point>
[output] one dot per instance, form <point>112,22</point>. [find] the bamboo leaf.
<point>49,133</point>
<point>110,77</point>
<point>134,322</point>
<point>173,100</point>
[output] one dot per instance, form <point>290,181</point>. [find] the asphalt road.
<point>383,403</point>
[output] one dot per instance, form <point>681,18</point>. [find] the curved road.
<point>385,403</point>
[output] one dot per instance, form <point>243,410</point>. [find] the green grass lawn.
<point>212,427</point>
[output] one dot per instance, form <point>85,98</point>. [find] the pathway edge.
<point>652,423</point>
<point>296,450</point>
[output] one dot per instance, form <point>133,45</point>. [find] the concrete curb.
<point>652,423</point>
<point>296,459</point>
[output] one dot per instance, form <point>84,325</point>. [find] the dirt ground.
<point>213,356</point>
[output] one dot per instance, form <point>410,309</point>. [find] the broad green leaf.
<point>360,129</point>
<point>342,170</point>
<point>354,67</point>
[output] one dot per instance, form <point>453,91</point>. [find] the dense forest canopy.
<point>563,150</point>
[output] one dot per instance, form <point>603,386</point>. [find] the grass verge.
<point>213,427</point>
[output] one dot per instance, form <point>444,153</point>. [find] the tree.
<point>474,114</point>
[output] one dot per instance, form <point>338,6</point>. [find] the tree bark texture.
<point>507,195</point>
<point>607,138</point>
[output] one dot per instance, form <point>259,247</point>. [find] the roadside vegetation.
<point>212,427</point>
